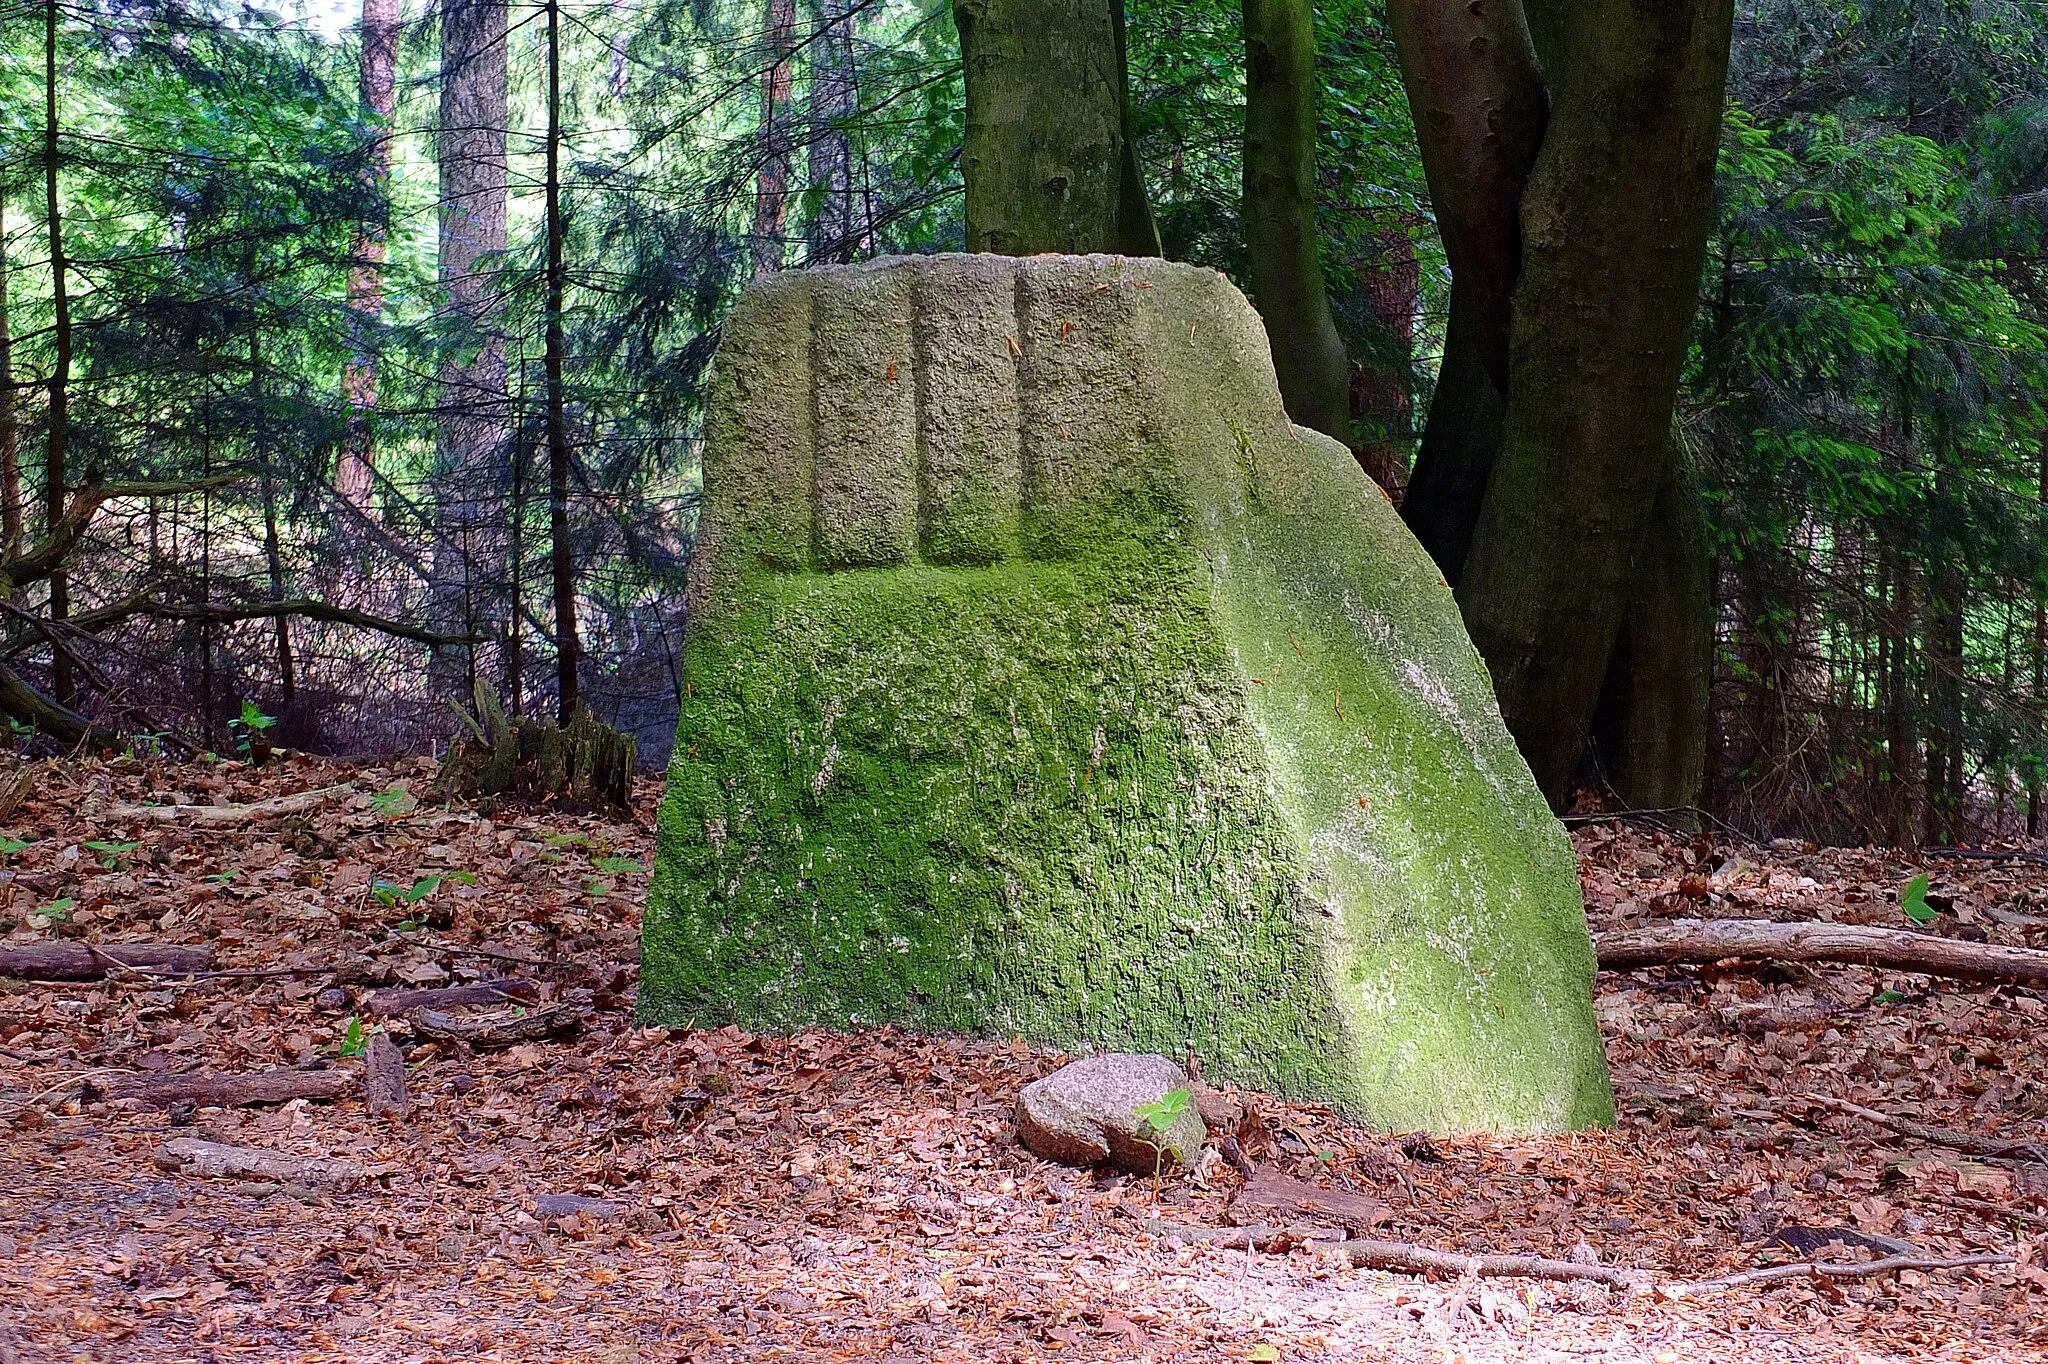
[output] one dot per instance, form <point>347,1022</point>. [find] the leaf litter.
<point>621,1193</point>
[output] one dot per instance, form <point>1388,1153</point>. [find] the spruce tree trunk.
<point>1615,224</point>
<point>1279,214</point>
<point>355,475</point>
<point>12,526</point>
<point>57,444</point>
<point>833,234</point>
<point>771,191</point>
<point>562,552</point>
<point>467,567</point>
<point>1652,729</point>
<point>1046,153</point>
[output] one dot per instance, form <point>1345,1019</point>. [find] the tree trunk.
<point>466,567</point>
<point>273,552</point>
<point>1652,726</point>
<point>1046,153</point>
<point>1279,214</point>
<point>1480,112</point>
<point>771,194</point>
<point>2040,662</point>
<point>562,551</point>
<point>838,230</point>
<point>1382,382</point>
<point>57,444</point>
<point>355,476</point>
<point>12,526</point>
<point>1615,225</point>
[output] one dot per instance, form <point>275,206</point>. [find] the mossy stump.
<point>581,763</point>
<point>1042,680</point>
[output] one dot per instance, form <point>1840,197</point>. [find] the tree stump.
<point>583,763</point>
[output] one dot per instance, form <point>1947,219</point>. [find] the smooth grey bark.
<point>1480,110</point>
<point>1279,213</point>
<point>1652,727</point>
<point>1615,223</point>
<point>1046,154</point>
<point>467,566</point>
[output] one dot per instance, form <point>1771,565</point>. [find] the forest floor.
<point>830,1197</point>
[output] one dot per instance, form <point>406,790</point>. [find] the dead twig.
<point>1974,1143</point>
<point>1679,941</point>
<point>496,1032</point>
<point>1815,1269</point>
<point>229,816</point>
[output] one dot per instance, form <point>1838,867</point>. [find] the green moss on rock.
<point>1080,697</point>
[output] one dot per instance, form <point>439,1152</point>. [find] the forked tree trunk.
<point>467,567</point>
<point>356,474</point>
<point>771,194</point>
<point>1615,225</point>
<point>1047,154</point>
<point>1279,214</point>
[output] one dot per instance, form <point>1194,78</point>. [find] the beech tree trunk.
<point>355,474</point>
<point>771,194</point>
<point>1280,215</point>
<point>467,565</point>
<point>1615,224</point>
<point>1047,154</point>
<point>1652,727</point>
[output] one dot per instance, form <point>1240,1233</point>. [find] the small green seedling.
<point>1160,1116</point>
<point>391,894</point>
<point>395,801</point>
<point>597,890</point>
<point>111,853</point>
<point>57,911</point>
<point>353,1039</point>
<point>615,864</point>
<point>221,878</point>
<point>1889,997</point>
<point>10,846</point>
<point>246,726</point>
<point>1913,901</point>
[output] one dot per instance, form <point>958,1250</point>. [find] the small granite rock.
<point>568,1205</point>
<point>1086,1114</point>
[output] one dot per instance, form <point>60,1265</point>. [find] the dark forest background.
<point>367,367</point>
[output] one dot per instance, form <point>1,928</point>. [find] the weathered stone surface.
<point>1043,681</point>
<point>1087,1114</point>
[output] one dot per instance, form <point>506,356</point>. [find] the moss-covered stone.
<point>1041,679</point>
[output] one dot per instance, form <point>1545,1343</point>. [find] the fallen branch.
<point>1975,1143</point>
<point>1710,940</point>
<point>1406,1257</point>
<point>304,608</point>
<point>1813,1269</point>
<point>228,816</point>
<point>391,1003</point>
<point>216,1160</point>
<point>496,1032</point>
<point>227,1091</point>
<point>90,961</point>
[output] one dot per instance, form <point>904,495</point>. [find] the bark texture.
<point>1652,727</point>
<point>839,228</point>
<point>1046,154</point>
<point>355,475</point>
<point>1615,224</point>
<point>771,184</point>
<point>1480,112</point>
<point>473,430</point>
<point>1280,215</point>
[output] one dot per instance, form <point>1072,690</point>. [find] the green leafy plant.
<point>10,846</point>
<point>1913,901</point>
<point>111,853</point>
<point>615,864</point>
<point>246,726</point>
<point>57,911</point>
<point>221,878</point>
<point>353,1039</point>
<point>395,801</point>
<point>1159,1116</point>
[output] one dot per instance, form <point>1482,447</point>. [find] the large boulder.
<point>1042,680</point>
